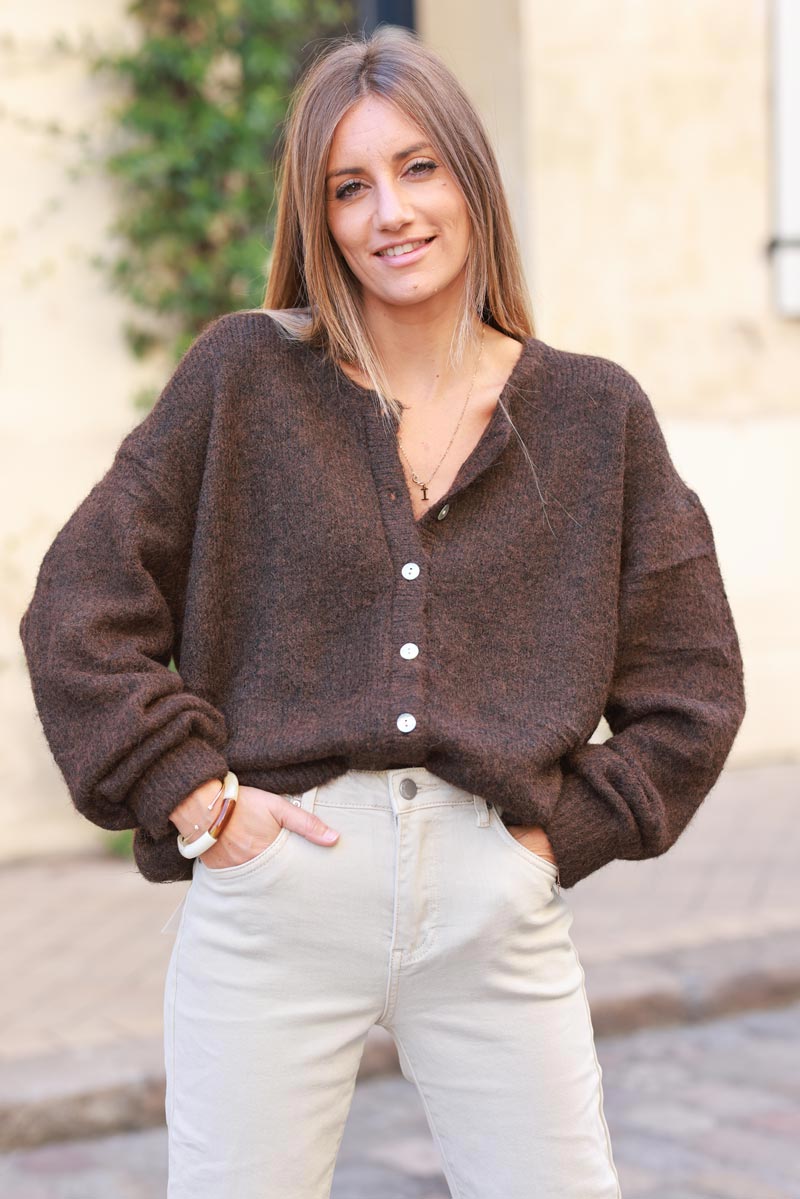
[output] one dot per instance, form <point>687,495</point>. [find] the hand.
<point>533,837</point>
<point>256,821</point>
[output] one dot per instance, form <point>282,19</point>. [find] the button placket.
<point>406,536</point>
<point>407,721</point>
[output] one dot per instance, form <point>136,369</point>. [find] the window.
<point>785,244</point>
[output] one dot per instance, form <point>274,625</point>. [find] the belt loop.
<point>482,810</point>
<point>307,799</point>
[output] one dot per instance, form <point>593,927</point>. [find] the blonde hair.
<point>311,291</point>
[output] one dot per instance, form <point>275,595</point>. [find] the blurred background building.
<point>652,156</point>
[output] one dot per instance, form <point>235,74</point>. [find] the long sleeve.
<point>676,700</point>
<point>98,634</point>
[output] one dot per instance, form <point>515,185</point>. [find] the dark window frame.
<point>386,12</point>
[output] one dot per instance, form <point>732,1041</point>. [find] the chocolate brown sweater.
<point>257,527</point>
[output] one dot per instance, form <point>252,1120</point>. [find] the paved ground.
<point>707,1112</point>
<point>711,927</point>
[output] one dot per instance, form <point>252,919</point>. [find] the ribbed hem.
<point>584,830</point>
<point>170,780</point>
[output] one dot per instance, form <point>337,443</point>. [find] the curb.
<point>685,986</point>
<point>96,1091</point>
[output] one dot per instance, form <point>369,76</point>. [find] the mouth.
<point>404,250</point>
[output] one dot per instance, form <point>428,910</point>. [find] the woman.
<point>397,624</point>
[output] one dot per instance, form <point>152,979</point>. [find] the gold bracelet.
<point>216,797</point>
<point>210,806</point>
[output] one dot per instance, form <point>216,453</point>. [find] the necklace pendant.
<point>424,491</point>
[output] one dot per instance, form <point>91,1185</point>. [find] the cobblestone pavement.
<point>711,1111</point>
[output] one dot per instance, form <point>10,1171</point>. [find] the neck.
<point>415,347</point>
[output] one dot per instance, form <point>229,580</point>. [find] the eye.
<point>427,167</point>
<point>342,192</point>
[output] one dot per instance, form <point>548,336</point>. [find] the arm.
<point>130,740</point>
<point>676,699</point>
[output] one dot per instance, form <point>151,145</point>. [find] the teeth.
<point>393,251</point>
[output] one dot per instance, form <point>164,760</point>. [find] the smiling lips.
<point>405,248</point>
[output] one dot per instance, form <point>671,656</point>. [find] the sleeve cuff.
<point>585,830</point>
<point>170,780</point>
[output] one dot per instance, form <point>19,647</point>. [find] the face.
<point>385,186</point>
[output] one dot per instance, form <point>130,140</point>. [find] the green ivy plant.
<point>204,97</point>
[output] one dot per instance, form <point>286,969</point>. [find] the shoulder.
<point>211,378</point>
<point>253,344</point>
<point>243,329</point>
<point>592,376</point>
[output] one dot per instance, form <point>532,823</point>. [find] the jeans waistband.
<point>400,789</point>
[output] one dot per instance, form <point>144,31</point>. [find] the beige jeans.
<point>426,917</point>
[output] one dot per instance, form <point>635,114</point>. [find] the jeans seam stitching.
<point>457,1193</point>
<point>599,1073</point>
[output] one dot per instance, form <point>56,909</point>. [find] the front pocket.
<point>534,859</point>
<point>252,864</point>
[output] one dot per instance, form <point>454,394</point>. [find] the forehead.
<point>373,127</point>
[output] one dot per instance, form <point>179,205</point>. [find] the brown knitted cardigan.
<point>257,527</point>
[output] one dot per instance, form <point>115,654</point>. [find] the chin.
<point>415,292</point>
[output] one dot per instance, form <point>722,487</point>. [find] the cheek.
<point>337,231</point>
<point>453,213</point>
<point>457,228</point>
<point>342,238</point>
<point>347,235</point>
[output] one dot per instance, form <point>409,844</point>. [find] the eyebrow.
<point>395,158</point>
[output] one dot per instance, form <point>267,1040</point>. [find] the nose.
<point>393,209</point>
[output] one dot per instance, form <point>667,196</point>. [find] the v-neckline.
<point>374,410</point>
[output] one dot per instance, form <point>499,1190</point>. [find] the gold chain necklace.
<point>419,481</point>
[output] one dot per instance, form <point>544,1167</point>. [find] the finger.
<point>305,823</point>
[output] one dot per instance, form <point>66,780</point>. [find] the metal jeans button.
<point>408,788</point>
